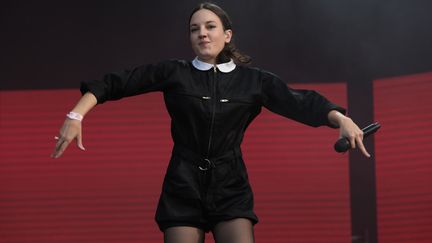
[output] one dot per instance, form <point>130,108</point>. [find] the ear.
<point>228,36</point>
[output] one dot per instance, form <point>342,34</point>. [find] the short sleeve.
<point>305,106</point>
<point>138,80</point>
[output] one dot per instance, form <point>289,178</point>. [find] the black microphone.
<point>343,144</point>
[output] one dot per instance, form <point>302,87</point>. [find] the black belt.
<point>206,163</point>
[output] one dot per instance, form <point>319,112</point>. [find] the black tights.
<point>233,231</point>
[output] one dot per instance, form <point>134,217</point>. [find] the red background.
<point>404,158</point>
<point>109,192</point>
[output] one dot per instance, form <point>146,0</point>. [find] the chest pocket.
<point>244,100</point>
<point>188,104</point>
<point>188,94</point>
<point>238,107</point>
<point>200,101</point>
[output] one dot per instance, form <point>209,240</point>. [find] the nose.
<point>202,33</point>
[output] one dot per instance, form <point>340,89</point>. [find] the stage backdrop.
<point>404,158</point>
<point>109,192</point>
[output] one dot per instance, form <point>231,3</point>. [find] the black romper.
<point>210,108</point>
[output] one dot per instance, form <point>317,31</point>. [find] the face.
<point>207,35</point>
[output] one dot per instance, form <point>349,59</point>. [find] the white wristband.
<point>74,116</point>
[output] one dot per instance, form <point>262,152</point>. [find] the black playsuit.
<point>210,108</point>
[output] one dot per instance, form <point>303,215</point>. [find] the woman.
<point>211,101</point>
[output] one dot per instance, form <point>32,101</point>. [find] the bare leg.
<point>183,234</point>
<point>238,230</point>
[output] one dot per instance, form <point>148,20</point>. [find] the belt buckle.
<point>208,166</point>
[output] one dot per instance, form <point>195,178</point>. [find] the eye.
<point>211,26</point>
<point>193,30</point>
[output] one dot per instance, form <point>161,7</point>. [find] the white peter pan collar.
<point>223,67</point>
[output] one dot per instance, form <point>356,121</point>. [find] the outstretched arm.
<point>349,130</point>
<point>113,86</point>
<point>71,128</point>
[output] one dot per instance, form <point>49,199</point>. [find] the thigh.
<point>239,230</point>
<point>183,234</point>
<point>180,202</point>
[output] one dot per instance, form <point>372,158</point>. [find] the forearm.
<point>85,104</point>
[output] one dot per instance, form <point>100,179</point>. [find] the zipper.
<point>213,111</point>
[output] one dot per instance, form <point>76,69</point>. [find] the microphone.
<point>343,144</point>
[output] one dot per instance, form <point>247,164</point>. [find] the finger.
<point>79,141</point>
<point>56,146</point>
<point>57,149</point>
<point>362,147</point>
<point>60,141</point>
<point>352,142</point>
<point>61,149</point>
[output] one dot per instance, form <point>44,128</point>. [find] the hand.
<point>348,129</point>
<point>70,130</point>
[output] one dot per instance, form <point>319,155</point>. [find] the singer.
<point>211,100</point>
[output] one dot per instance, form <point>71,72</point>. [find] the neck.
<point>209,60</point>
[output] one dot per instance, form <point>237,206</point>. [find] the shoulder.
<point>262,74</point>
<point>164,67</point>
<point>175,63</point>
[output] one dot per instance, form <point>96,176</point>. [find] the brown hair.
<point>230,50</point>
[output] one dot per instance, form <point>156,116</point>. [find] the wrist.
<point>75,116</point>
<point>337,118</point>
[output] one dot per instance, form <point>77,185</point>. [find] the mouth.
<point>203,43</point>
